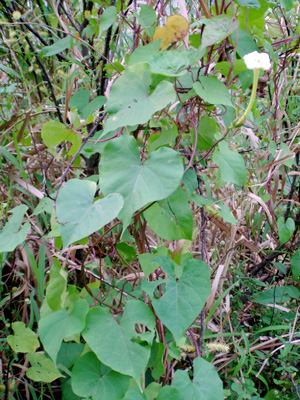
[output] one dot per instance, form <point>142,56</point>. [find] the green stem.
<point>241,119</point>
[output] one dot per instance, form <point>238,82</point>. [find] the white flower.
<point>257,60</point>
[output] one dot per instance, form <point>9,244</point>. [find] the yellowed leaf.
<point>163,33</point>
<point>178,25</point>
<point>176,29</point>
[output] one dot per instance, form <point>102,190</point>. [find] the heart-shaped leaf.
<point>185,297</point>
<point>13,234</point>
<point>285,229</point>
<point>137,106</point>
<point>122,171</point>
<point>79,215</point>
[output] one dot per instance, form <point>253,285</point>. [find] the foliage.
<point>149,243</point>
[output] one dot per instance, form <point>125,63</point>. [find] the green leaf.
<point>79,215</point>
<point>226,214</point>
<point>207,128</point>
<point>42,368</point>
<point>45,205</point>
<point>185,297</point>
<point>60,325</point>
<point>9,70</point>
<point>134,393</point>
<point>167,137</point>
<point>249,3</point>
<point>81,100</point>
<point>171,219</point>
<point>169,63</point>
<point>13,234</point>
<point>156,359</point>
<point>143,53</point>
<point>277,294</point>
<point>213,91</point>
<point>295,264</point>
<point>285,229</point>
<point>114,343</point>
<point>107,19</point>
<point>121,171</point>
<point>147,19</point>
<point>24,340</point>
<point>245,44</point>
<point>169,393</point>
<point>91,378</point>
<point>231,164</point>
<point>58,46</point>
<point>56,291</point>
<point>206,384</point>
<point>218,28</point>
<point>130,103</point>
<point>54,132</point>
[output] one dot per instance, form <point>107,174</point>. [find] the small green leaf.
<point>171,219</point>
<point>231,164</point>
<point>169,393</point>
<point>58,46</point>
<point>122,171</point>
<point>24,340</point>
<point>79,215</point>
<point>277,295</point>
<point>42,368</point>
<point>295,264</point>
<point>91,378</point>
<point>9,70</point>
<point>218,28</point>
<point>13,234</point>
<point>285,229</point>
<point>213,91</point>
<point>54,132</point>
<point>60,325</point>
<point>56,291</point>
<point>85,107</point>
<point>249,3</point>
<point>206,384</point>
<point>207,128</point>
<point>107,19</point>
<point>147,19</point>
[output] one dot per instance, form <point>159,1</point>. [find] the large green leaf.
<point>171,219</point>
<point>24,340</point>
<point>217,29</point>
<point>122,171</point>
<point>213,91</point>
<point>54,132</point>
<point>206,384</point>
<point>79,215</point>
<point>169,63</point>
<point>114,343</point>
<point>60,325</point>
<point>91,378</point>
<point>231,164</point>
<point>42,368</point>
<point>130,103</point>
<point>184,297</point>
<point>13,234</point>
